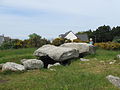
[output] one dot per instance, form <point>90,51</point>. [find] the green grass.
<point>79,75</point>
<point>16,55</point>
<point>102,54</point>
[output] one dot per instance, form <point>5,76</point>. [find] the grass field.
<point>90,75</point>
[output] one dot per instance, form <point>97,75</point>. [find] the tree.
<point>35,40</point>
<point>116,39</point>
<point>101,34</point>
<point>115,31</point>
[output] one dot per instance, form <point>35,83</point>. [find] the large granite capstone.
<point>81,47</point>
<point>57,53</point>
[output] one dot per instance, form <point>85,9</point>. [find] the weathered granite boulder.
<point>118,56</point>
<point>81,47</point>
<point>12,67</point>
<point>82,59</point>
<point>57,53</point>
<point>114,80</point>
<point>52,65</point>
<point>31,64</point>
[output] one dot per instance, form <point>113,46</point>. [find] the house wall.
<point>71,36</point>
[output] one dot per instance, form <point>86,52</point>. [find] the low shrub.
<point>16,44</point>
<point>59,41</point>
<point>108,45</point>
<point>79,41</point>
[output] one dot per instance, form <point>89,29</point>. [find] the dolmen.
<point>51,54</point>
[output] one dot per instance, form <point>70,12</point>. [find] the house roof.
<point>64,35</point>
<point>83,37</point>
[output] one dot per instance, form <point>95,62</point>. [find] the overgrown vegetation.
<point>59,41</point>
<point>79,75</point>
<point>79,41</point>
<point>103,33</point>
<point>34,41</point>
<point>108,45</point>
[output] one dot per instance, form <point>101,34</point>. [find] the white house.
<point>70,35</point>
<point>3,38</point>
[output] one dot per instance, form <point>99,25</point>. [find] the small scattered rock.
<point>51,65</point>
<point>82,59</point>
<point>118,56</point>
<point>114,80</point>
<point>113,62</point>
<point>31,64</point>
<point>12,67</point>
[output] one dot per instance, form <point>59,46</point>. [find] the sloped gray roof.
<point>83,37</point>
<point>64,35</point>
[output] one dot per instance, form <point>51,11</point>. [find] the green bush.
<point>67,40</point>
<point>33,41</point>
<point>108,45</point>
<point>58,41</point>
<point>79,41</point>
<point>14,44</point>
<point>6,45</point>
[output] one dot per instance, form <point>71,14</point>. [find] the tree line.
<point>101,34</point>
<point>104,34</point>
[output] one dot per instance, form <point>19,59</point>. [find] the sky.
<point>50,18</point>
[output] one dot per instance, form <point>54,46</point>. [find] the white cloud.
<point>83,7</point>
